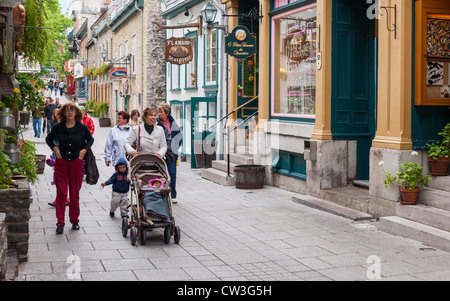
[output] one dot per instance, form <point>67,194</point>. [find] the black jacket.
<point>71,141</point>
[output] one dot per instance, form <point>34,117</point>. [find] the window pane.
<point>295,65</point>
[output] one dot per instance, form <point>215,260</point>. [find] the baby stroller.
<point>143,168</point>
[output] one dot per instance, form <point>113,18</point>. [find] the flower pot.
<point>24,118</point>
<point>40,163</point>
<point>104,122</point>
<point>7,120</point>
<point>409,197</point>
<point>439,167</point>
<point>12,150</point>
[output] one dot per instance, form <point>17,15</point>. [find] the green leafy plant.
<point>27,161</point>
<point>410,177</point>
<point>440,149</point>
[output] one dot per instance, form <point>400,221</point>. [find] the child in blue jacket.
<point>120,188</point>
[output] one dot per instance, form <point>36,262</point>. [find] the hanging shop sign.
<point>118,72</point>
<point>178,51</point>
<point>240,43</point>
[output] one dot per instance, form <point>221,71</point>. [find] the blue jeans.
<point>37,126</point>
<point>172,169</point>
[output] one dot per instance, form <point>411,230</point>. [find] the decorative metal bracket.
<point>198,25</point>
<point>387,18</point>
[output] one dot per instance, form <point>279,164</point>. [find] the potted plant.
<point>409,180</point>
<point>103,108</point>
<point>439,153</point>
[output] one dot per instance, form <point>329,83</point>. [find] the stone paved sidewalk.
<point>226,234</point>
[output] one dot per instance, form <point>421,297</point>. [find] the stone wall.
<point>155,73</point>
<point>15,203</point>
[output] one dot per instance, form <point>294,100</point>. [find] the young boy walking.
<point>120,188</point>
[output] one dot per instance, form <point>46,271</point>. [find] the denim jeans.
<point>37,122</point>
<point>172,169</point>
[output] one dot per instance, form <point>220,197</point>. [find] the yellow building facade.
<point>342,88</point>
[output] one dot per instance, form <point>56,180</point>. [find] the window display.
<point>294,63</point>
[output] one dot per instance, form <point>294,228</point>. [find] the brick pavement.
<point>226,234</point>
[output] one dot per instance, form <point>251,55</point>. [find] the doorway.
<point>353,94</point>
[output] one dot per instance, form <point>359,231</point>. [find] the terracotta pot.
<point>439,167</point>
<point>409,197</point>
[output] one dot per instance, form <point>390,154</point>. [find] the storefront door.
<point>353,79</point>
<point>203,116</point>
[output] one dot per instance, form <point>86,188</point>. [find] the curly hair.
<point>64,108</point>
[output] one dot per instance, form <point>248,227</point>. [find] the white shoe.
<point>174,201</point>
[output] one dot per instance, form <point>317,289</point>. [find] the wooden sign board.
<point>240,43</point>
<point>178,51</point>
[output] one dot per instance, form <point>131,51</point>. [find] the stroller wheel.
<point>124,226</point>
<point>167,234</point>
<point>177,234</point>
<point>143,235</point>
<point>133,235</point>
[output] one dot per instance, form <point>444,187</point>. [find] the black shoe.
<point>75,226</point>
<point>59,229</point>
<point>111,214</point>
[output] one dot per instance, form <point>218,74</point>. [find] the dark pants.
<point>50,123</point>
<point>68,176</point>
<point>172,168</point>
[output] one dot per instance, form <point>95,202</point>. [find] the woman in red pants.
<point>74,140</point>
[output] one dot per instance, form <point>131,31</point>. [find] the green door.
<point>353,79</point>
<point>203,116</point>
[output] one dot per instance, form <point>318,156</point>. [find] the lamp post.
<point>104,54</point>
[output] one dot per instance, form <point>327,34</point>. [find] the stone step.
<point>241,159</point>
<point>440,183</point>
<point>222,165</point>
<point>435,198</point>
<point>217,176</point>
<point>431,216</point>
<point>244,149</point>
<point>330,207</point>
<point>428,235</point>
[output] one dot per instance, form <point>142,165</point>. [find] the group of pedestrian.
<point>56,85</point>
<point>72,137</point>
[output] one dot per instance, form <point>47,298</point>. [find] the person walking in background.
<point>48,113</point>
<point>62,85</point>
<point>74,140</point>
<point>149,137</point>
<point>50,86</point>
<point>58,105</point>
<point>166,120</point>
<point>87,120</point>
<point>114,148</point>
<point>37,115</point>
<point>135,118</point>
<point>120,188</point>
<point>56,86</point>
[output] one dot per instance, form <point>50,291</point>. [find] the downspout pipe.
<point>142,56</point>
<point>223,74</point>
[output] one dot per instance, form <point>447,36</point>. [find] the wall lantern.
<point>104,54</point>
<point>209,13</point>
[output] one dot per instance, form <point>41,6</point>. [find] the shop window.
<point>432,57</point>
<point>191,67</point>
<point>294,63</point>
<point>290,164</point>
<point>211,58</point>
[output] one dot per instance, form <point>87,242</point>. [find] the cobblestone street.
<point>226,234</point>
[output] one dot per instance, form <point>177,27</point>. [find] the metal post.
<point>228,152</point>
